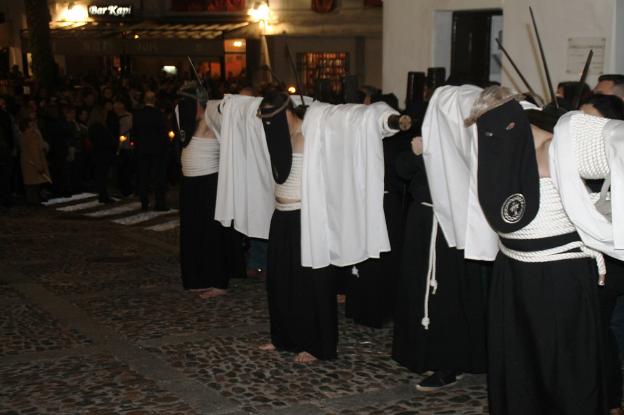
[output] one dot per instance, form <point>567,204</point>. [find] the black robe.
<point>210,254</point>
<point>371,290</point>
<point>455,339</point>
<point>302,301</point>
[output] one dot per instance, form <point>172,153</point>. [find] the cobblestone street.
<point>93,320</point>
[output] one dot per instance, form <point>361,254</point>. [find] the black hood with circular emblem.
<point>508,177</point>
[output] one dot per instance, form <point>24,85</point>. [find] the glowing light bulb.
<point>136,36</point>
<point>292,89</point>
<point>75,13</point>
<point>260,12</point>
<point>123,138</point>
<point>237,43</point>
<point>171,135</point>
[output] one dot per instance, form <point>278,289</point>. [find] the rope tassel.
<point>432,282</point>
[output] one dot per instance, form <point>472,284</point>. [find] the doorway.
<point>471,46</point>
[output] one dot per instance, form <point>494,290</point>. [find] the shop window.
<point>332,66</point>
<point>235,66</point>
<point>208,5</point>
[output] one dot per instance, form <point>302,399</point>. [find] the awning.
<point>144,30</point>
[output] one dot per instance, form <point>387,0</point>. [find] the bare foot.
<point>198,290</point>
<point>213,292</point>
<point>341,298</point>
<point>267,347</point>
<point>304,357</point>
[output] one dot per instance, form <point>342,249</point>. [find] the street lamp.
<point>70,14</point>
<point>260,13</point>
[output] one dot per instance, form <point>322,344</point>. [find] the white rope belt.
<point>287,207</point>
<point>558,253</point>
<point>432,282</point>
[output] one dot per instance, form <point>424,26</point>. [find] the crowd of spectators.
<point>79,136</point>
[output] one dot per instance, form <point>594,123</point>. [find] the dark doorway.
<point>470,48</point>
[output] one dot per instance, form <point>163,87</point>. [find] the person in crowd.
<point>568,91</point>
<point>446,337</point>
<point>612,107</point>
<point>58,137</point>
<point>206,256</point>
<point>75,152</point>
<point>105,147</point>
<point>607,106</point>
<point>545,350</point>
<point>7,149</point>
<point>33,160</point>
<point>82,121</point>
<point>439,328</point>
<point>610,84</point>
<point>126,163</point>
<point>302,302</point>
<point>151,146</point>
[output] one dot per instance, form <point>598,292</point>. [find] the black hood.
<point>508,178</point>
<point>272,112</point>
<point>547,118</point>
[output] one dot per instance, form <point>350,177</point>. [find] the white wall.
<point>409,30</point>
<point>618,46</point>
<point>558,20</point>
<point>372,61</point>
<point>442,39</point>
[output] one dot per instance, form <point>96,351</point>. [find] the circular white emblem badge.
<point>513,208</point>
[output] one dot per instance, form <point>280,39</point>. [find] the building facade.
<point>149,37</point>
<point>418,34</point>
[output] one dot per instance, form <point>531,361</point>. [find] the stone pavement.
<point>93,321</point>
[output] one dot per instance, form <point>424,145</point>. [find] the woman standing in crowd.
<point>105,146</point>
<point>33,160</point>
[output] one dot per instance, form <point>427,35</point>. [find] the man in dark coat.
<point>7,144</point>
<point>151,146</point>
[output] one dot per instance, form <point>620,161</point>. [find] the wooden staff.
<point>541,48</point>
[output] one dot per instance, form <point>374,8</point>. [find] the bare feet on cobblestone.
<point>198,290</point>
<point>213,292</point>
<point>267,347</point>
<point>304,357</point>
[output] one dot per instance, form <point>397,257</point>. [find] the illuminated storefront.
<point>228,38</point>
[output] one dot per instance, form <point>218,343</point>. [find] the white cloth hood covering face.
<point>245,185</point>
<point>342,216</point>
<point>450,154</point>
<point>595,230</point>
<point>245,190</point>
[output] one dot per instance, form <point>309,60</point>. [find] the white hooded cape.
<point>245,187</point>
<point>595,230</point>
<point>342,216</point>
<point>450,156</point>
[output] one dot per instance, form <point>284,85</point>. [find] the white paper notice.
<point>578,49</point>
